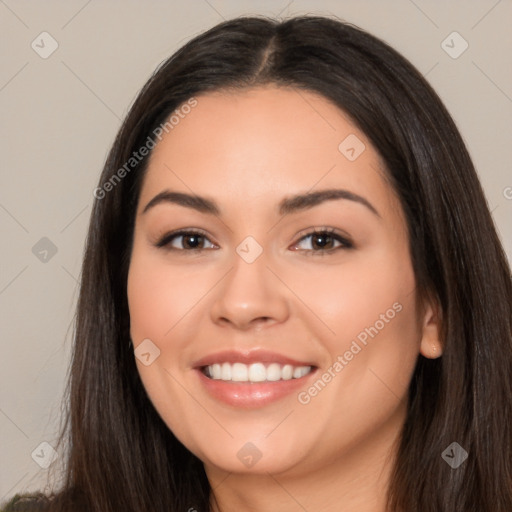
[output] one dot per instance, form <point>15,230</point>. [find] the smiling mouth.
<point>255,372</point>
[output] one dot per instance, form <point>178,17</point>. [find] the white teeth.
<point>287,372</point>
<point>226,372</point>
<point>300,371</point>
<point>256,372</point>
<point>216,371</point>
<point>239,373</point>
<point>274,372</point>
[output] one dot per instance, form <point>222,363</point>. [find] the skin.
<point>247,151</point>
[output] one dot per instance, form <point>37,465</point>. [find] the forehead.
<point>261,144</point>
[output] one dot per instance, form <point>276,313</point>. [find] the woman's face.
<point>263,346</point>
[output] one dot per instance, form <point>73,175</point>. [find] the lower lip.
<point>251,395</point>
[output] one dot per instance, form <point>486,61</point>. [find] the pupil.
<point>318,240</point>
<point>194,239</point>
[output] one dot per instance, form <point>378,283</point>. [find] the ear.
<point>431,346</point>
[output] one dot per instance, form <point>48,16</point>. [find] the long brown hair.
<point>122,457</point>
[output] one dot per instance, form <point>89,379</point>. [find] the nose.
<point>250,296</point>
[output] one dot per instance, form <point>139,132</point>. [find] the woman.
<point>218,363</point>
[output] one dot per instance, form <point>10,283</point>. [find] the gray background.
<point>59,118</point>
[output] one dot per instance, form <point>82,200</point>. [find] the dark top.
<point>36,502</point>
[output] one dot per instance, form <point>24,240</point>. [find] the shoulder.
<point>30,502</point>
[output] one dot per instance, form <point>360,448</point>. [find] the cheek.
<point>370,308</point>
<point>355,297</point>
<point>387,331</point>
<point>374,348</point>
<point>158,297</point>
<point>146,295</point>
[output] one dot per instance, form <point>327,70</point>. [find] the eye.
<point>185,240</point>
<point>321,241</point>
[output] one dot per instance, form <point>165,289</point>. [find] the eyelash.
<point>345,243</point>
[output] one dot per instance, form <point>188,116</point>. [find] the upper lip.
<point>248,357</point>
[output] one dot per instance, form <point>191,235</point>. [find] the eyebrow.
<point>287,206</point>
